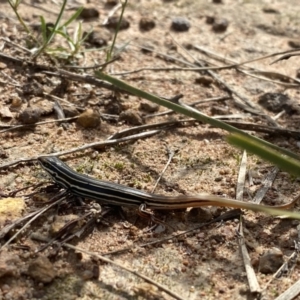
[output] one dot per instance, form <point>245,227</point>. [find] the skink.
<point>116,194</point>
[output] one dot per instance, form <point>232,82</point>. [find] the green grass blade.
<point>284,162</point>
<point>188,112</point>
<point>43,28</point>
<point>53,32</point>
<point>73,17</point>
<point>110,52</point>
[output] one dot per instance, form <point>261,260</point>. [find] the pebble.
<point>30,115</point>
<point>70,111</point>
<point>89,119</point>
<point>98,38</point>
<point>33,88</point>
<point>149,107</point>
<point>180,24</point>
<point>112,23</point>
<point>276,102</point>
<point>294,43</point>
<point>131,116</point>
<point>16,101</point>
<point>146,24</point>
<point>87,275</point>
<point>270,262</point>
<point>41,269</point>
<point>204,80</point>
<point>220,25</point>
<point>210,19</point>
<point>3,66</point>
<point>89,13</point>
<point>111,2</point>
<point>270,10</point>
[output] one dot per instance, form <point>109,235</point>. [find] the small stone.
<point>16,101</point>
<point>294,43</point>
<point>146,24</point>
<point>111,2</point>
<point>271,261</point>
<point>30,115</point>
<point>87,275</point>
<point>276,102</point>
<point>220,25</point>
<point>98,38</point>
<point>149,107</point>
<point>270,10</point>
<point>210,19</point>
<point>131,116</point>
<point>218,179</point>
<point>33,88</point>
<point>180,24</point>
<point>62,88</point>
<point>113,22</point>
<point>3,66</point>
<point>70,111</point>
<point>204,80</point>
<point>89,119</point>
<point>89,13</point>
<point>41,269</point>
<point>113,107</point>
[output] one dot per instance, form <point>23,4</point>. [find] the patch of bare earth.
<point>206,263</point>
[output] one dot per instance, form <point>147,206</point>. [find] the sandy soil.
<point>207,263</point>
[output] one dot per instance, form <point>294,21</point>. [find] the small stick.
<point>171,154</point>
<point>252,280</point>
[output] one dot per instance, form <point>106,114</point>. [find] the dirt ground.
<point>206,263</point>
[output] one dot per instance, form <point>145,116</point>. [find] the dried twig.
<point>252,280</point>
<point>241,177</point>
<point>291,293</point>
<point>267,183</point>
<point>171,153</point>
